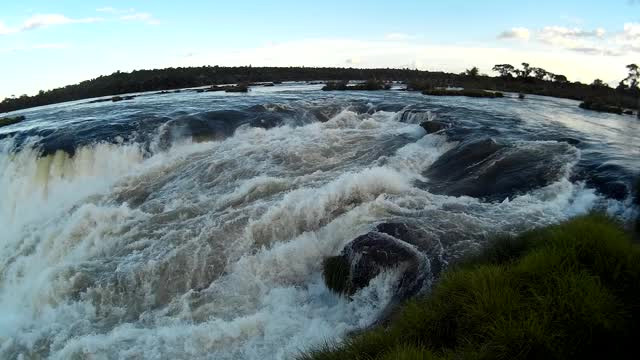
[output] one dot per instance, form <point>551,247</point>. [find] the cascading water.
<point>195,225</point>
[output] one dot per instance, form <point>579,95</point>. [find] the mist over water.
<point>192,225</point>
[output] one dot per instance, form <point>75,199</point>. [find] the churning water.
<point>194,225</point>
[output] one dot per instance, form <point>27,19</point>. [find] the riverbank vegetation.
<point>528,80</point>
<point>369,85</point>
<point>464,92</point>
<point>11,120</point>
<point>598,105</point>
<point>567,291</point>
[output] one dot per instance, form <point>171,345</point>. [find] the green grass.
<point>562,292</point>
<point>636,199</point>
<point>11,120</point>
<point>464,92</point>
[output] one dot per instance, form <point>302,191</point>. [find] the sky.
<point>46,44</point>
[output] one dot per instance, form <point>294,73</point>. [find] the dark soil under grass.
<point>569,291</point>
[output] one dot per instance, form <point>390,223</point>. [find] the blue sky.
<point>46,44</point>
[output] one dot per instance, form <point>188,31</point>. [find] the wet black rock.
<point>491,171</point>
<point>325,113</point>
<point>570,141</point>
<point>122,98</point>
<point>615,189</point>
<point>607,179</point>
<point>600,105</point>
<point>424,241</point>
<point>367,256</point>
<point>267,121</point>
<point>239,88</point>
<point>214,88</point>
<point>433,126</point>
<point>458,160</point>
<point>465,92</point>
<point>116,98</point>
<point>391,107</point>
<point>271,108</point>
<point>414,116</point>
<point>397,230</point>
<point>213,125</point>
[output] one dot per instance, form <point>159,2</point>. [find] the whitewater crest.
<point>204,235</point>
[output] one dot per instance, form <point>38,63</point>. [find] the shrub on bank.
<point>464,92</point>
<point>335,85</point>
<point>600,106</point>
<point>372,84</point>
<point>121,98</point>
<point>566,291</point>
<point>241,88</point>
<point>11,120</point>
<point>369,85</point>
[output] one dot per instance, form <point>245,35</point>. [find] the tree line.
<point>631,82</point>
<point>527,79</point>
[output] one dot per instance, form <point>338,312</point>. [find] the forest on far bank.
<point>527,79</point>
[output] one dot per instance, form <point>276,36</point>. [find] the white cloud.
<point>629,39</point>
<point>144,17</point>
<point>585,41</point>
<point>591,42</point>
<point>44,20</point>
<point>518,33</point>
<point>573,39</point>
<point>559,31</point>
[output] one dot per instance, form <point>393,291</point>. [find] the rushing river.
<point>194,225</point>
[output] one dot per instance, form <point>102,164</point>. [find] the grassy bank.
<point>561,292</point>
